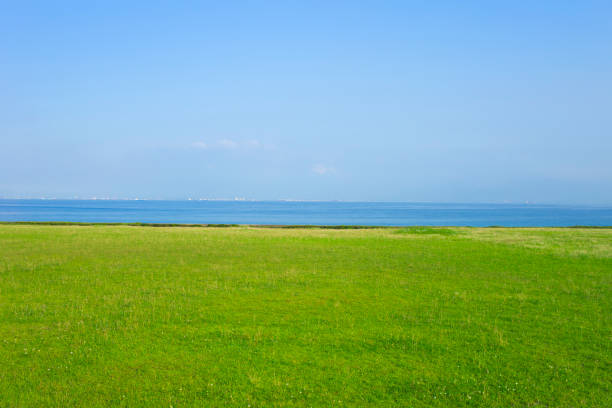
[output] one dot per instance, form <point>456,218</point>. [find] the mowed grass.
<point>136,316</point>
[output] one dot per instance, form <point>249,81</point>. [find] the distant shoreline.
<point>290,200</point>
<point>279,226</point>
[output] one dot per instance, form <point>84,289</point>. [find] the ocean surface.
<point>297,212</point>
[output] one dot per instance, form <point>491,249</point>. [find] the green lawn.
<point>139,316</point>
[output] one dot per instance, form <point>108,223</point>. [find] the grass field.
<point>137,316</point>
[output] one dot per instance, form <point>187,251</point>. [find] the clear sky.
<point>475,101</point>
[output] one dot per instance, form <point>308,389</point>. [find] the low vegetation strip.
<point>411,229</point>
<point>238,316</point>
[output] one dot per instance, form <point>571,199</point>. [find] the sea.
<point>304,213</point>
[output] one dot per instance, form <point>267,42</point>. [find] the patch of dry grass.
<point>564,241</point>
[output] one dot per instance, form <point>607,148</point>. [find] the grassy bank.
<point>176,316</point>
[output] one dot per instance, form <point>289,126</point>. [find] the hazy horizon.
<point>371,101</point>
<point>297,200</point>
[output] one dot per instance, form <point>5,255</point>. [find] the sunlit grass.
<point>137,316</point>
<point>426,231</point>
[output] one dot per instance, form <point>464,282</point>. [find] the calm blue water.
<point>315,213</point>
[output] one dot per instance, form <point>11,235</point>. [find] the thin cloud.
<point>253,143</point>
<point>200,145</point>
<point>228,144</point>
<point>322,169</point>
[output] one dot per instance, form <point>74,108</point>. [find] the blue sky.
<point>357,100</point>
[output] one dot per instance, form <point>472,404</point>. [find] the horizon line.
<point>241,199</point>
